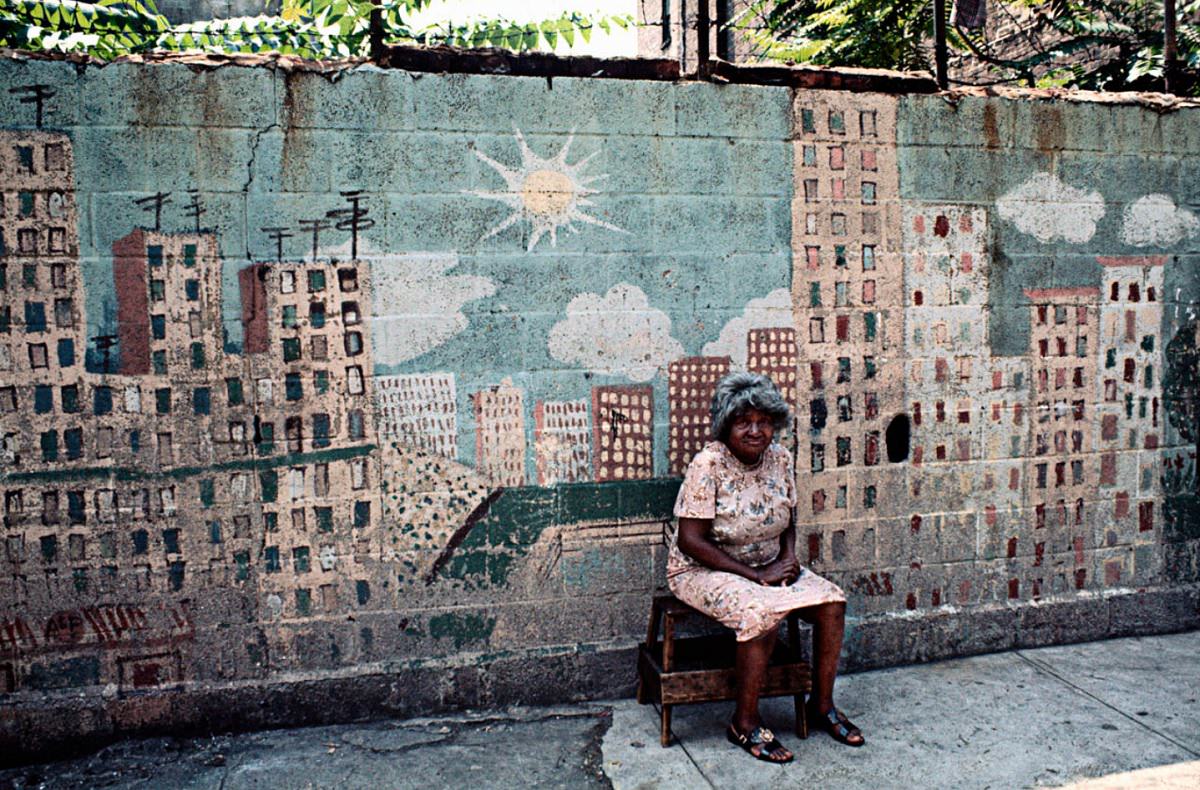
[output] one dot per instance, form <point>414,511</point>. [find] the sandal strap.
<point>837,724</point>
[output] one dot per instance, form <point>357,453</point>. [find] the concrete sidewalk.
<point>1037,718</point>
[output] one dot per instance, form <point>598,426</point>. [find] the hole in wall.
<point>897,438</point>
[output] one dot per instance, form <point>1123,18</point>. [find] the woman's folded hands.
<point>781,571</point>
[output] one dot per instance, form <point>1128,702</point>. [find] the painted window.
<point>316,315</point>
<point>66,352</point>
<point>64,312</point>
<point>293,388</point>
<point>70,398</point>
<point>43,399</point>
<point>320,430</point>
<point>35,317</point>
<point>201,400</point>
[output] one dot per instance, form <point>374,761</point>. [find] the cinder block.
<point>60,111</point>
<point>753,111</point>
<point>171,94</point>
<point>363,98</point>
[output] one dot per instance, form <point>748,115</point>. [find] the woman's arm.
<point>787,542</point>
<point>694,542</point>
<point>787,553</point>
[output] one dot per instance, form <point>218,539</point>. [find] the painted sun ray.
<point>548,193</point>
<point>501,226</point>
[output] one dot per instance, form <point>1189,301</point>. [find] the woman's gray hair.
<point>740,391</point>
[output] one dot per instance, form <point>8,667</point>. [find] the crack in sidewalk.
<point>1045,668</point>
<point>690,756</point>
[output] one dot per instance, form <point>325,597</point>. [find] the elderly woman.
<point>733,557</point>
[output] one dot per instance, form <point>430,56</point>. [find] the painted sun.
<point>549,194</point>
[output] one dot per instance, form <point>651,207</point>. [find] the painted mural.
<point>297,388</point>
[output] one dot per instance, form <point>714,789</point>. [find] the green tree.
<point>884,34</point>
<point>1114,45</point>
<point>316,29</point>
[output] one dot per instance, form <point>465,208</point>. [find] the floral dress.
<point>750,507</point>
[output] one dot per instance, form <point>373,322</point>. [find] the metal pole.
<point>1169,46</point>
<point>939,38</point>
<point>724,32</point>
<point>375,31</point>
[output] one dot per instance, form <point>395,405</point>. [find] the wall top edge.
<point>499,62</point>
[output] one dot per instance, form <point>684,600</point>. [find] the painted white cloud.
<point>1155,221</point>
<point>1047,209</point>
<point>774,309</point>
<point>615,334</point>
<point>416,306</point>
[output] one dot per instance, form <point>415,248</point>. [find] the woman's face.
<point>750,433</point>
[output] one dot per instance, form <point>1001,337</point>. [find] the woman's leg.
<point>752,658</point>
<point>751,667</point>
<point>829,624</point>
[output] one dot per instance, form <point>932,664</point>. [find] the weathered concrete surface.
<point>1019,719</point>
<point>534,747</point>
<point>1043,718</point>
<point>1182,776</point>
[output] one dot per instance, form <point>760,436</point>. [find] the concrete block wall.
<point>374,387</point>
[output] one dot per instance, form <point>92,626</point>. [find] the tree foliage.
<point>1090,44</point>
<point>315,29</point>
<point>864,33</point>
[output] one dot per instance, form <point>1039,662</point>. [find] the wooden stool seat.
<point>701,668</point>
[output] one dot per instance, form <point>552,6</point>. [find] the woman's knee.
<point>834,610</point>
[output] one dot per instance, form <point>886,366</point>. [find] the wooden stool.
<point>701,668</point>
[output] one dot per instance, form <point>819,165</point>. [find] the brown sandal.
<point>759,736</point>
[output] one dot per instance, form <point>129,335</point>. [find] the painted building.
<point>421,410</point>
<point>847,297</point>
<point>1061,470</point>
<point>313,390</point>
<point>500,434</point>
<point>623,433</point>
<point>1129,408</point>
<point>690,385</point>
<point>772,352</point>
<point>562,438</point>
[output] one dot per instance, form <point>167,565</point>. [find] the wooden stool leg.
<point>798,699</point>
<point>652,626</point>
<point>668,656</point>
<point>668,652</point>
<point>651,638</point>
